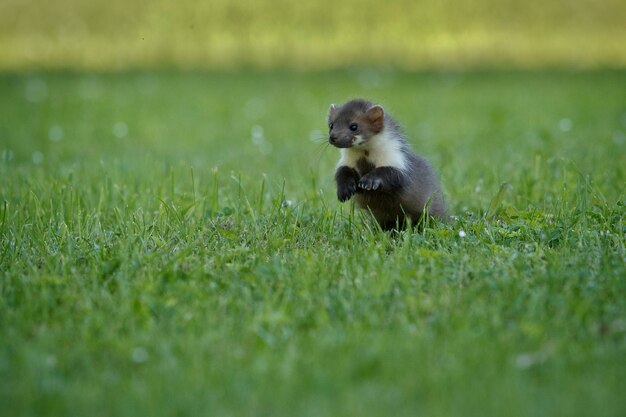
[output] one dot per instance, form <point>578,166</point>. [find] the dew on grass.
<point>55,133</point>
<point>7,155</point>
<point>565,125</point>
<point>120,130</point>
<point>139,355</point>
<point>462,233</point>
<point>258,135</point>
<point>36,90</point>
<point>37,157</point>
<point>258,138</point>
<point>524,361</point>
<point>51,361</point>
<point>479,186</point>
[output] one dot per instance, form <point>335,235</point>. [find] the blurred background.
<point>244,86</point>
<point>322,34</point>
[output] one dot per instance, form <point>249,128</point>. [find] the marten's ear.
<point>332,110</point>
<point>376,116</point>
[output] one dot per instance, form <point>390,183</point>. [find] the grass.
<point>171,245</point>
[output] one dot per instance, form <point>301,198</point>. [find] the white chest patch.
<point>381,150</point>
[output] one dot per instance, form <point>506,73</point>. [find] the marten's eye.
<point>354,127</point>
<point>330,126</point>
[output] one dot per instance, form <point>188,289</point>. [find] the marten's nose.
<point>333,138</point>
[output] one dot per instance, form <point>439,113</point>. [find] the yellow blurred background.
<point>323,34</point>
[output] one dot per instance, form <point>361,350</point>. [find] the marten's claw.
<point>346,191</point>
<point>370,183</point>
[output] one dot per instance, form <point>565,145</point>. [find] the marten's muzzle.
<point>341,142</point>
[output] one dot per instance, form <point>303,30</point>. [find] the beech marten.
<point>379,169</point>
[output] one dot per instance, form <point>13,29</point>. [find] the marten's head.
<point>354,123</point>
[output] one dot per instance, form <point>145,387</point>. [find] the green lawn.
<point>171,244</point>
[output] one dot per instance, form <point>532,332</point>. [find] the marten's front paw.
<point>370,182</point>
<point>346,190</point>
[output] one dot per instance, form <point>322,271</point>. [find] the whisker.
<point>320,152</point>
<point>320,139</point>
